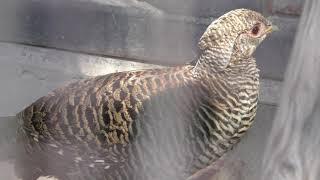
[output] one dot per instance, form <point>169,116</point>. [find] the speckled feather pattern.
<point>150,124</point>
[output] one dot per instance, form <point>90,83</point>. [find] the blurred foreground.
<point>294,141</point>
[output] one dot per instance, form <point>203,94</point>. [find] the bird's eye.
<point>255,30</point>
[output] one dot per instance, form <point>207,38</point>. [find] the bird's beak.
<point>270,29</point>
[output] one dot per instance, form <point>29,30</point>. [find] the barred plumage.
<point>151,124</point>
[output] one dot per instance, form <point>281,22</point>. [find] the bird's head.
<point>234,36</point>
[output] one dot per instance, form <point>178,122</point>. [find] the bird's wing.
<point>97,113</point>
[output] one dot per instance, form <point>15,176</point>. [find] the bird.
<point>163,123</point>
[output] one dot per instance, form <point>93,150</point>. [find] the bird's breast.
<point>225,115</point>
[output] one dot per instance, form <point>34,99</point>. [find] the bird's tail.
<point>8,137</point>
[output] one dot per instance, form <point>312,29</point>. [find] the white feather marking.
<point>60,152</point>
<point>78,158</point>
<point>53,145</point>
<point>99,161</point>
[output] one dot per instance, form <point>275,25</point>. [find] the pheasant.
<point>164,123</point>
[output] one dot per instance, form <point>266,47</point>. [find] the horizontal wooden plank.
<point>27,73</point>
<point>139,32</point>
<point>203,8</point>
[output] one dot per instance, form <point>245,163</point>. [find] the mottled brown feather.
<point>166,123</point>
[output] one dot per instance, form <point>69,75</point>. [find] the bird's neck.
<point>211,62</point>
<point>214,59</point>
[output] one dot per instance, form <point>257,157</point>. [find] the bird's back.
<point>110,121</point>
<point>163,123</point>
